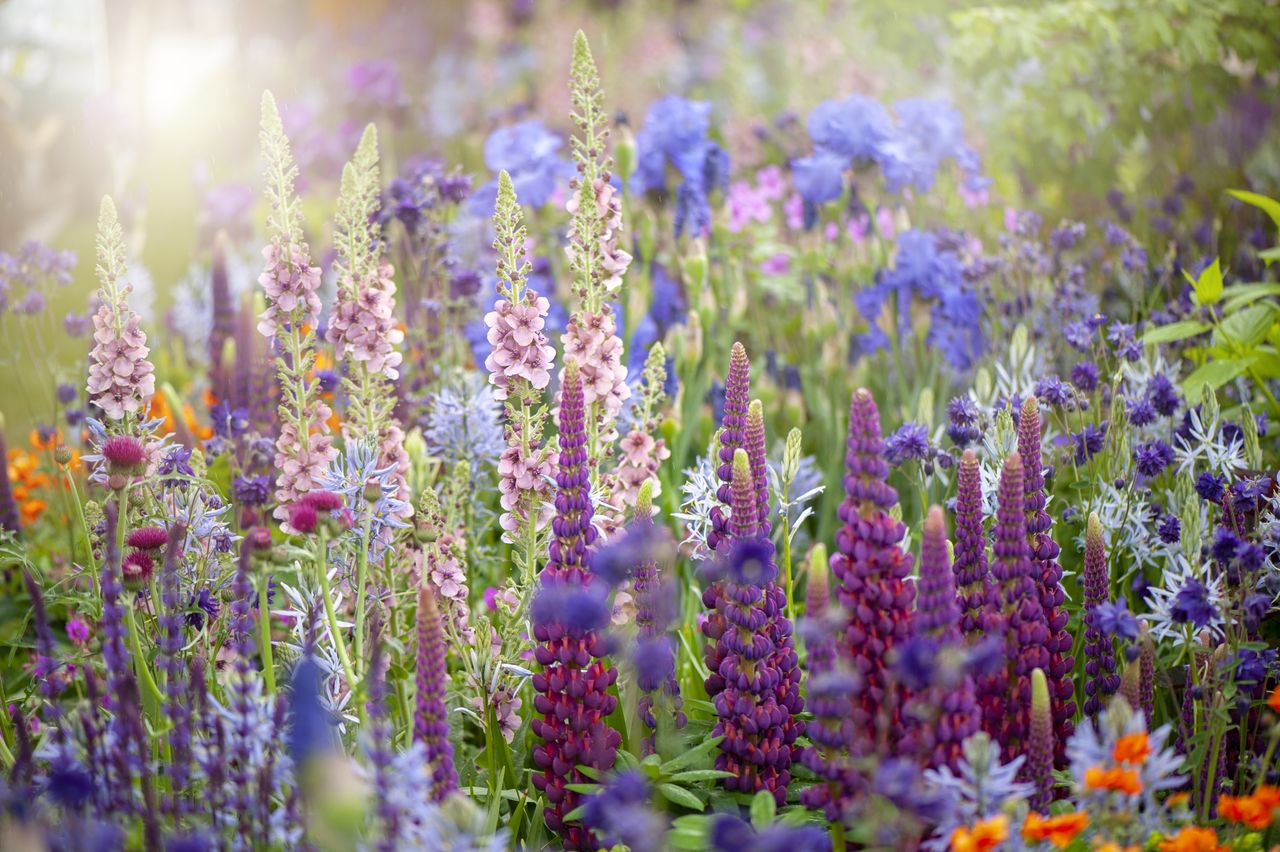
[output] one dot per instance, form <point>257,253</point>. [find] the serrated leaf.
<point>680,796</point>
<point>1175,331</point>
<point>763,810</point>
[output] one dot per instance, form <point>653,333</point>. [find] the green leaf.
<point>763,810</point>
<point>1244,294</point>
<point>1270,256</point>
<point>1175,331</point>
<point>1268,205</point>
<point>1208,286</point>
<point>680,796</point>
<point>589,789</point>
<point>690,757</point>
<point>1215,374</point>
<point>701,775</point>
<point>1247,328</point>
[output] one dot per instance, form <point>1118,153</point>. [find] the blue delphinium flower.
<point>530,153</point>
<point>676,133</point>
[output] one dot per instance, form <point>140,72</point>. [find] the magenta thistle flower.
<point>872,571</point>
<point>1099,650</point>
<point>431,719</point>
<point>147,538</point>
<point>124,454</point>
<point>1048,574</point>
<point>973,578</point>
<point>572,684</point>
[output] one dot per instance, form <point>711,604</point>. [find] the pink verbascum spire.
<point>304,448</point>
<point>121,379</point>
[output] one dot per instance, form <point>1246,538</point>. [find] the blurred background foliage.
<point>154,101</point>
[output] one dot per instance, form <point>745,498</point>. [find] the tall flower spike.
<point>8,505</point>
<point>755,717</point>
<point>1044,553</point>
<point>304,448</point>
<point>1039,766</point>
<point>736,399</point>
<point>121,379</point>
<point>872,573</point>
<point>573,702</point>
<point>1016,605</point>
<point>1099,650</point>
<point>1147,673</point>
<point>946,716</point>
<point>753,440</point>
<point>431,719</point>
<point>363,327</point>
<point>973,579</point>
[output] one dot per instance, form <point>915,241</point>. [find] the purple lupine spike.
<point>241,697</point>
<point>1130,687</point>
<point>111,627</point>
<point>973,579</point>
<point>1039,765</point>
<point>937,612</point>
<point>223,318</point>
<point>654,608</point>
<point>950,715</point>
<point>1016,603</point>
<point>737,393</point>
<point>431,720</point>
<point>1099,648</point>
<point>172,622</point>
<point>780,630</point>
<point>758,726</point>
<point>574,679</point>
<point>8,505</point>
<point>873,588</point>
<point>1048,574</point>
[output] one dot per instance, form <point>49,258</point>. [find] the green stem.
<point>264,629</point>
<point>140,664</point>
<point>362,571</point>
<point>334,631</point>
<point>84,529</point>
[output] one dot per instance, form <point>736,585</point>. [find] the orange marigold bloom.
<point>1117,779</point>
<point>1116,847</point>
<point>1193,839</point>
<point>1274,701</point>
<point>1132,748</point>
<point>982,837</point>
<point>1256,811</point>
<point>1059,830</point>
<point>33,509</point>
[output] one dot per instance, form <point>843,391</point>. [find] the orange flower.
<point>21,463</point>
<point>32,509</point>
<point>1256,811</point>
<point>38,443</point>
<point>1116,847</point>
<point>982,837</point>
<point>1059,830</point>
<point>210,398</point>
<point>1193,839</point>
<point>1117,779</point>
<point>1132,748</point>
<point>1274,701</point>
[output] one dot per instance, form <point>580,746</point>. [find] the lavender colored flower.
<point>1054,392</point>
<point>1152,458</point>
<point>910,442</point>
<point>431,716</point>
<point>1085,376</point>
<point>1210,487</point>
<point>1089,441</point>
<point>1192,605</point>
<point>964,427</point>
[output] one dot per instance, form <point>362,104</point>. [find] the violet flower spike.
<point>1099,649</point>
<point>431,719</point>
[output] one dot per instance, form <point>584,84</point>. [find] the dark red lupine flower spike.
<point>1048,575</point>
<point>1099,650</point>
<point>873,588</point>
<point>973,579</point>
<point>572,701</point>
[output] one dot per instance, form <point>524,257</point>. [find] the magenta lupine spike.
<point>973,578</point>
<point>872,587</point>
<point>1039,765</point>
<point>1099,649</point>
<point>431,719</point>
<point>572,685</point>
<point>756,709</point>
<point>952,715</point>
<point>1016,600</point>
<point>737,392</point>
<point>1048,574</point>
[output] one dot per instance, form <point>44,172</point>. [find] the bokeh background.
<point>155,102</point>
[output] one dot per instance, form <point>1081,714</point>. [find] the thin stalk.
<point>84,529</point>
<point>264,629</point>
<point>362,571</point>
<point>334,631</point>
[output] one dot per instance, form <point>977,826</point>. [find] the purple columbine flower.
<point>1048,574</point>
<point>1210,487</point>
<point>963,427</point>
<point>1085,376</point>
<point>572,684</point>
<point>431,718</point>
<point>1089,441</point>
<point>872,582</point>
<point>1099,652</point>
<point>973,579</point>
<point>1191,605</point>
<point>909,443</point>
<point>1152,458</point>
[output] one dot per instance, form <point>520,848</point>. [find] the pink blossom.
<point>793,210</point>
<point>592,340</point>
<point>614,261</point>
<point>363,326</point>
<point>121,379</point>
<point>520,348</point>
<point>290,282</point>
